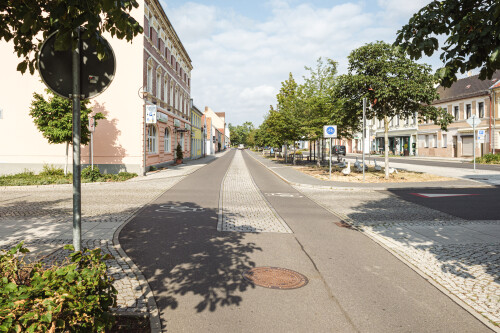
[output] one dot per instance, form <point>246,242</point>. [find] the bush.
<point>75,297</point>
<point>178,152</point>
<point>50,170</point>
<point>91,174</point>
<point>489,159</point>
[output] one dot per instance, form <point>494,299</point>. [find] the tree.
<point>25,22</point>
<point>472,27</point>
<point>321,104</point>
<point>394,86</point>
<point>240,134</point>
<point>54,118</point>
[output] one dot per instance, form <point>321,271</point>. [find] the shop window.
<point>167,141</point>
<point>152,140</point>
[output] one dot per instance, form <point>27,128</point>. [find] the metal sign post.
<point>330,131</point>
<point>363,136</point>
<point>473,121</point>
<point>77,169</point>
<point>331,140</point>
<point>76,74</point>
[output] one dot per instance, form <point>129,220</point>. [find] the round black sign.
<point>56,70</point>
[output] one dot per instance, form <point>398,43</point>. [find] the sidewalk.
<point>41,216</point>
<point>297,178</point>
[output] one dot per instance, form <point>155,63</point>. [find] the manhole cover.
<point>275,278</point>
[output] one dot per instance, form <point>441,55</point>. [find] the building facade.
<point>153,69</point>
<point>466,97</point>
<point>197,141</point>
<point>215,138</point>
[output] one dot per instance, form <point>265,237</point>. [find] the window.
<point>415,118</point>
<point>158,45</point>
<point>182,141</point>
<point>468,111</point>
<point>151,33</point>
<point>158,85</point>
<point>151,144</point>
<point>165,89</point>
<point>407,120</point>
<point>480,107</point>
<point>434,141</point>
<point>397,120</point>
<point>168,145</point>
<point>426,142</point>
<point>171,94</point>
<point>456,113</point>
<point>149,86</point>
<point>445,140</point>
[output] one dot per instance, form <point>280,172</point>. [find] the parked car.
<point>338,150</point>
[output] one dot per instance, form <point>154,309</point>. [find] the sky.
<point>242,50</point>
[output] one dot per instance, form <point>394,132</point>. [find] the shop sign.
<point>177,123</point>
<point>162,117</point>
<point>151,114</point>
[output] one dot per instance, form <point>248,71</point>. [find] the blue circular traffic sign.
<point>330,130</point>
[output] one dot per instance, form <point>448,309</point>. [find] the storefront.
<point>401,144</point>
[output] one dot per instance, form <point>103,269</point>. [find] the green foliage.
<point>54,118</point>
<point>91,174</point>
<point>50,170</point>
<point>471,27</point>
<point>178,152</point>
<point>242,134</point>
<point>489,159</point>
<point>75,297</point>
<point>28,23</point>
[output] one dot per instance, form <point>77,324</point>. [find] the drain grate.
<point>343,224</point>
<point>275,278</point>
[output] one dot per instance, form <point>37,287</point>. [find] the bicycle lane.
<point>377,291</point>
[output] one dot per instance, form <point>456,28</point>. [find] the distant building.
<point>215,138</point>
<point>197,130</point>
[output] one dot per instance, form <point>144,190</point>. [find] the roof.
<point>466,88</point>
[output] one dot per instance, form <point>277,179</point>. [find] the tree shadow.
<point>108,152</point>
<point>437,236</point>
<point>179,250</point>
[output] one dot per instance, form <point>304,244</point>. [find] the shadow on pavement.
<point>179,250</point>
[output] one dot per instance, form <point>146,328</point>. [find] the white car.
<point>241,146</point>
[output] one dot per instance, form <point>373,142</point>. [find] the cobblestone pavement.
<point>462,256</point>
<point>236,214</point>
<point>42,217</point>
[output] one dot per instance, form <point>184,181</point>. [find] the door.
<point>467,145</point>
<point>455,152</point>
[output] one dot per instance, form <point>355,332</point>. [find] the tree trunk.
<point>294,151</point>
<point>386,146</point>
<point>318,160</point>
<point>66,165</point>
<point>286,152</point>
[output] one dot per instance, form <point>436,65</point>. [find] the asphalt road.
<point>466,203</point>
<point>195,271</point>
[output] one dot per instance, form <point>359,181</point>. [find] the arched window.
<point>168,145</point>
<point>149,83</point>
<point>171,94</point>
<point>158,84</point>
<point>152,140</point>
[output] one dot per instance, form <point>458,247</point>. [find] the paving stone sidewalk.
<point>41,216</point>
<point>461,256</point>
<point>236,214</point>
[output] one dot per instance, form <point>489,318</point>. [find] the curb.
<point>324,187</point>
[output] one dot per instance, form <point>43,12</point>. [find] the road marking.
<point>440,195</point>
<point>285,195</point>
<point>179,209</point>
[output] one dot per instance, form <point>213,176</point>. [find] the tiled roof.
<point>466,88</point>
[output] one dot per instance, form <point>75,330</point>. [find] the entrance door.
<point>467,145</point>
<point>455,147</point>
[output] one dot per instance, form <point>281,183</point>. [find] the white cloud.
<point>239,63</point>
